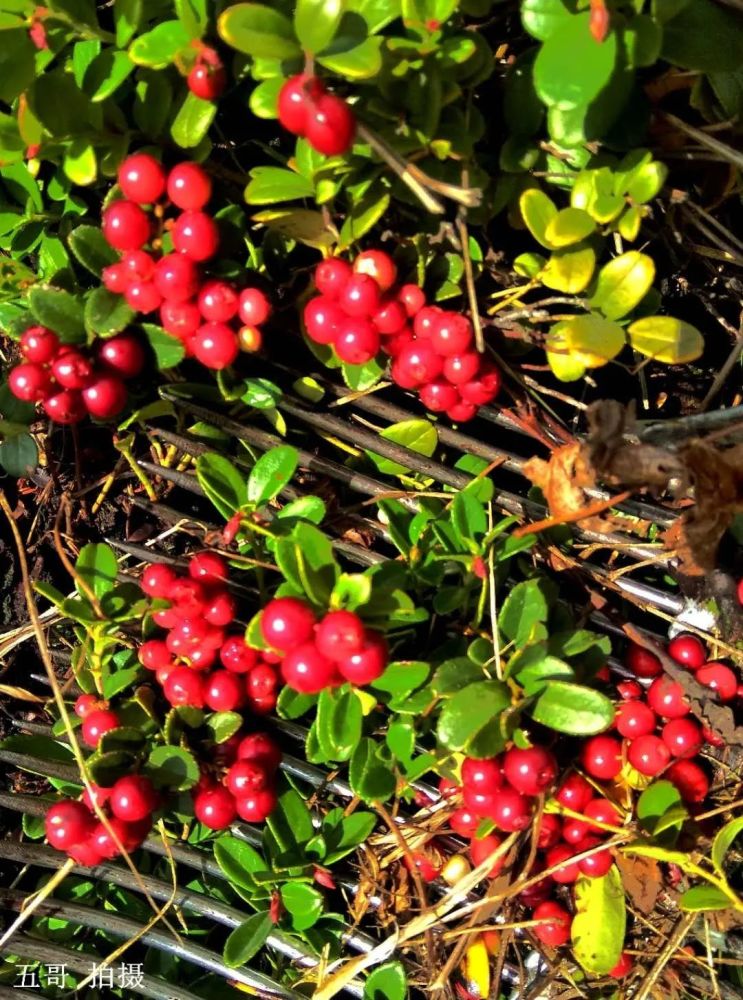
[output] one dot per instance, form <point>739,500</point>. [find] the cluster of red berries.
<point>308,110</point>
<point>69,382</point>
<point>318,655</point>
<point>208,78</point>
<point>248,787</point>
<point>73,827</point>
<point>197,623</point>
<point>212,318</point>
<point>361,310</point>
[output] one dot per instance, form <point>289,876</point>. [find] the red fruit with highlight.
<point>195,235</point>
<point>189,186</point>
<point>368,664</point>
<point>530,771</point>
<point>648,754</point>
<point>261,749</point>
<point>217,301</point>
<point>417,363</point>
<point>574,793</point>
<point>413,298</point>
<point>683,737</point>
<point>667,698</point>
<point>246,777</point>
<point>85,704</point>
<point>97,724</point>
<point>330,125</point>
<point>461,368</point>
<point>332,276</point>
<point>206,81</point>
<point>719,678</point>
<point>67,823</point>
<point>623,967</point>
<point>141,178</point>
<point>185,687</point>
<point>451,334</point>
<point>642,662</point>
<point>602,757</point>
<point>439,396</point>
<point>556,929</point>
<point>224,691</point>
<point>257,806</point>
<point>480,850</point>
<point>176,277</point>
<point>237,656</point>
<point>687,650</point>
<point>360,296</point>
<point>689,778</point>
<point>215,807</point>
<point>125,226</point>
<point>30,383</point>
<point>254,307</point>
<point>287,622</point>
<point>378,265</point>
<point>635,718</point>
<point>510,811</point>
<point>306,670</point>
<point>157,580</point>
<point>143,296</point>
<point>215,345</point>
<point>357,340</point>
<point>296,97</point>
<point>464,822</point>
<point>105,397</point>
<point>39,345</point>
<point>562,855</point>
<point>549,831</point>
<point>595,865</point>
<point>323,319</point>
<point>133,798</point>
<point>123,355</point>
<point>340,634</point>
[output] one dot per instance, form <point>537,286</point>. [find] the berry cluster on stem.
<point>306,109</point>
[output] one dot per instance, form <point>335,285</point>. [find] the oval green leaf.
<point>469,711</point>
<point>259,31</point>
<point>704,897</point>
<point>570,225</point>
<point>537,211</point>
<point>570,270</point>
<point>592,339</point>
<point>315,22</point>
<point>665,338</point>
<point>572,68</point>
<point>724,840</point>
<point>623,283</point>
<point>247,940</point>
<point>572,708</point>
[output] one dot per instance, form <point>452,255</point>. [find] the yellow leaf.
<point>564,365</point>
<point>600,921</point>
<point>666,339</point>
<point>476,968</point>
<point>592,340</point>
<point>623,283</point>
<point>570,270</point>
<point>300,224</point>
<point>537,211</point>
<point>569,226</point>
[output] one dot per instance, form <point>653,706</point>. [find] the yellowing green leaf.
<point>528,265</point>
<point>623,283</point>
<point>647,182</point>
<point>629,222</point>
<point>418,435</point>
<point>665,338</point>
<point>570,270</point>
<point>537,210</point>
<point>593,339</point>
<point>570,225</point>
<point>80,163</point>
<point>302,224</point>
<point>566,367</point>
<point>600,921</point>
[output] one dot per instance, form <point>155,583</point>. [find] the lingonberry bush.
<point>288,720</point>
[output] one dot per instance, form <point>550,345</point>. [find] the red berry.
<point>224,691</point>
<point>188,597</point>
<point>648,754</point>
<point>482,775</point>
<point>740,591</point>
<point>623,967</point>
<point>261,682</point>
<point>143,296</point>
<point>464,822</point>
<point>295,99</point>
<point>687,650</point>
<point>642,662</point>
<point>574,830</point>
<point>237,656</point>
<point>85,704</point>
<point>176,277</point>
<point>511,810</point>
<point>602,757</point>
<point>97,795</point>
<point>462,412</point>
<point>208,568</point>
<point>154,654</point>
<point>461,368</point>
<point>182,319</point>
<point>189,186</point>
<point>448,788</point>
<point>482,389</point>
<point>529,771</point>
<point>549,831</point>
<point>666,697</point>
<point>451,334</point>
<point>165,618</point>
<point>72,369</point>
<point>574,793</point>
<point>438,397</point>
<point>340,634</point>
<point>133,798</point>
<point>286,623</point>
<point>330,125</point>
<point>66,407</point>
<point>30,383</point>
<point>360,296</point>
<point>39,345</point>
<point>720,679</point>
<point>331,276</point>
<point>261,749</point>
<point>480,800</point>
<point>603,811</point>
<point>138,265</point>
<point>426,866</point>
<point>482,847</point>
<point>185,687</point>
<point>690,779</point>
<point>85,853</point>
<point>245,777</point>
<point>141,178</point>
<point>426,320</point>
<point>378,265</point>
<point>125,226</point>
<point>157,579</point>
<point>105,397</point>
<point>390,317</point>
<point>122,354</point>
<point>413,299</point>
<point>217,301</point>
<point>67,823</point>
<point>417,363</point>
<point>556,929</point>
<point>207,82</point>
<point>115,278</point>
<point>322,319</point>
<point>196,235</point>
<point>220,609</point>
<point>567,872</point>
<point>215,345</point>
<point>305,669</point>
<point>215,807</point>
<point>394,344</point>
<point>368,664</point>
<point>97,724</point>
<point>629,690</point>
<point>634,718</point>
<point>357,340</point>
<point>595,865</point>
<point>710,736</point>
<point>683,737</point>
<point>257,806</point>
<point>201,657</point>
<point>254,307</point>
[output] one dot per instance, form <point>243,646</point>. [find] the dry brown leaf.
<point>642,880</point>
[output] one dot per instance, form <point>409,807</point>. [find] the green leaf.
<point>623,283</point>
<point>291,821</point>
<point>418,435</point>
<point>647,182</point>
<point>106,768</point>
<point>338,723</point>
<point>572,708</point>
<point>453,675</point>
<point>571,68</point>
<point>258,31</point>
<point>468,517</point>
<point>97,567</point>
<point>239,861</point>
<point>16,63</point>
<point>525,607</point>
<point>538,212</point>
<point>352,53</point>
<point>91,249</point>
<point>307,508</point>
<point>270,184</point>
<point>247,940</point>
<point>703,36</point>
<point>387,982</point>
<point>704,897</point>
<point>221,482</point>
<point>169,351</point>
<point>344,833</point>
<point>528,265</point>
<point>570,225</point>
<point>724,840</point>
<point>58,310</point>
<point>303,903</point>
<point>192,121</point>
<point>222,725</point>
<point>643,38</point>
<point>370,776</point>
<point>261,393</point>
<point>159,47</point>
<point>154,96</point>
<point>315,22</point>
<point>364,215</point>
<point>193,15</point>
<point>593,339</point>
<point>271,473</point>
<point>362,377</point>
<point>106,73</point>
<point>172,767</point>
<point>19,455</point>
<point>542,18</point>
<point>107,313</point>
<point>471,710</point>
<point>534,674</point>
<point>127,18</point>
<point>660,806</point>
<point>403,677</point>
<point>664,338</point>
<point>570,270</point>
<point>264,98</point>
<point>302,224</point>
<point>600,921</point>
<point>351,591</point>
